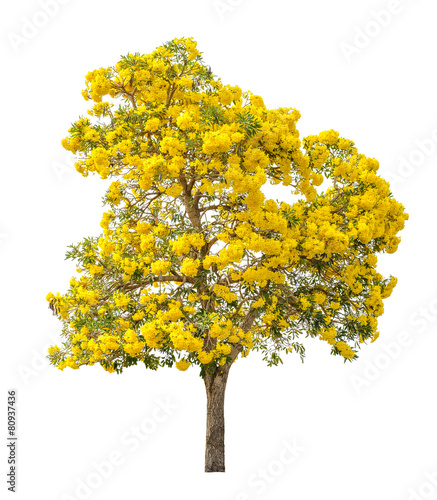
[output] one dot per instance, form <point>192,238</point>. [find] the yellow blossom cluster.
<point>345,350</point>
<point>132,345</point>
<point>184,243</point>
<point>183,364</point>
<point>189,267</point>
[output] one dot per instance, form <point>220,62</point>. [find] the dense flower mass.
<point>195,266</point>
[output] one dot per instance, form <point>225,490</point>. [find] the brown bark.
<point>215,385</point>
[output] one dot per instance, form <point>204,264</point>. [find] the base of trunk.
<point>215,385</point>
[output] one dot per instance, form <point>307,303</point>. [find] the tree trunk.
<point>215,384</point>
<point>215,420</point>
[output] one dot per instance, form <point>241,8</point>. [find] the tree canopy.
<point>194,265</point>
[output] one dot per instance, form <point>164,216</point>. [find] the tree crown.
<point>195,265</point>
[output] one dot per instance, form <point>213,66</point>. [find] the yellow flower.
<point>259,303</point>
<point>304,302</point>
<point>182,364</point>
<point>160,266</point>
<point>205,357</point>
<point>189,267</point>
<point>345,350</point>
<point>319,298</point>
<point>53,350</point>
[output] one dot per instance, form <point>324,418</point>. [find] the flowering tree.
<point>195,267</point>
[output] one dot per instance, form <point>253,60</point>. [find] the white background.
<point>358,430</point>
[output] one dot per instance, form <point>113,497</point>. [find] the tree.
<point>195,267</point>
